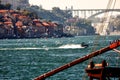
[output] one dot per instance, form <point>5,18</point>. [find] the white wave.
<point>71,46</point>
<point>15,44</point>
<point>24,48</point>
<point>67,46</point>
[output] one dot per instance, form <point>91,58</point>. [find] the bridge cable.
<point>118,51</point>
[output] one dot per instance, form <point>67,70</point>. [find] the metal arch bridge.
<point>92,12</point>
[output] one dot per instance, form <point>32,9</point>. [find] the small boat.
<point>102,71</point>
<point>83,44</point>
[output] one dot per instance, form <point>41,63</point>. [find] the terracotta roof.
<point>36,20</point>
<point>21,17</point>
<point>45,24</point>
<point>8,22</point>
<point>15,14</point>
<point>11,11</point>
<point>39,24</point>
<point>55,24</point>
<point>19,23</point>
<point>51,24</point>
<point>3,11</point>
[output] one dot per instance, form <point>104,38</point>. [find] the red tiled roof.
<point>8,22</point>
<point>45,24</point>
<point>19,23</point>
<point>36,20</point>
<point>11,11</point>
<point>39,24</point>
<point>55,24</point>
<point>15,14</point>
<point>21,17</point>
<point>3,11</point>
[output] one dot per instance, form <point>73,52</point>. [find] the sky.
<point>77,4</point>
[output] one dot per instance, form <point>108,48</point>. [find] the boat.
<point>83,44</point>
<point>102,71</point>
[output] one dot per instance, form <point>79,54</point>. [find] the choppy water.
<point>25,59</point>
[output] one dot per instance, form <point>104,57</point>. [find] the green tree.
<point>1,5</point>
<point>8,6</point>
<point>64,14</point>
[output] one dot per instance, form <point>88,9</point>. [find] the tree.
<point>8,6</point>
<point>64,14</point>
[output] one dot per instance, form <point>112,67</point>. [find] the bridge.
<point>90,13</point>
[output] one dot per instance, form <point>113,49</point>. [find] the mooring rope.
<point>116,50</point>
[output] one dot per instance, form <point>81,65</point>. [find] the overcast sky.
<point>77,4</point>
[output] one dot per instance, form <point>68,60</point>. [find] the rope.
<point>118,51</point>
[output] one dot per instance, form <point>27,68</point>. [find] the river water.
<point>25,59</point>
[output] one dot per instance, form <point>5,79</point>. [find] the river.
<point>25,59</point>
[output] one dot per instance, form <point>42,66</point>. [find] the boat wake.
<point>24,48</point>
<point>71,46</point>
<point>67,46</point>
